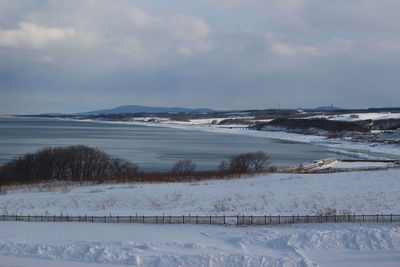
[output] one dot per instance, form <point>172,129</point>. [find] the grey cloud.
<point>241,54</point>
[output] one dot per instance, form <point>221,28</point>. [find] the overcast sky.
<point>72,56</point>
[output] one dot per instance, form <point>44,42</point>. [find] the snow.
<point>285,194</point>
<point>360,165</point>
<point>361,116</point>
<point>66,244</point>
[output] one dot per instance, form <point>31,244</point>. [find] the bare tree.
<point>248,162</point>
<point>223,166</point>
<point>185,166</point>
<point>259,160</point>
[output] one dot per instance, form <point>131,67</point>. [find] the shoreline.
<point>333,143</point>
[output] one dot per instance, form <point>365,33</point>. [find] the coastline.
<point>334,143</point>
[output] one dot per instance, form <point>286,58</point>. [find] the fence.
<point>216,219</point>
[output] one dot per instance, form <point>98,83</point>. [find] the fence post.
<point>79,219</point>
<point>163,218</point>
<point>92,219</point>
<point>143,218</point>
<point>224,219</point>
<point>210,219</point>
<point>67,218</point>
<point>307,218</point>
<point>105,219</point>
<point>29,218</point>
<point>117,219</point>
<point>279,219</point>
<point>16,217</point>
<point>293,218</point>
<point>170,219</point>
<point>391,217</point>
<point>251,219</point>
<point>270,218</point>
<point>41,218</point>
<point>130,219</point>
<point>237,219</point>
<point>197,219</point>
<point>321,218</point>
<point>183,219</point>
<point>377,217</point>
<point>265,219</point>
<point>156,219</point>
<point>363,217</point>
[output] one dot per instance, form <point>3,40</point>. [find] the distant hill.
<point>144,109</point>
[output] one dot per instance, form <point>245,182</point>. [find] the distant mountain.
<point>144,109</point>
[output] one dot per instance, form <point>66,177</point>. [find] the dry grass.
<point>140,177</point>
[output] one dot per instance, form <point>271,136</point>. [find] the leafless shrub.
<point>185,166</point>
<point>221,206</point>
<point>63,163</point>
<point>223,166</point>
<point>249,162</point>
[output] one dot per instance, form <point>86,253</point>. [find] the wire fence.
<point>216,219</point>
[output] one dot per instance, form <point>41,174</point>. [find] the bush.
<point>74,162</point>
<point>249,162</point>
<point>223,166</point>
<point>185,166</point>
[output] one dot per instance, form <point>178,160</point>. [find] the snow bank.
<point>194,245</point>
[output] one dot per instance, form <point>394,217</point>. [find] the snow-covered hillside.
<point>361,116</point>
<point>86,244</point>
<point>285,194</point>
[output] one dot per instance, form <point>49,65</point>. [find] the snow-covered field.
<point>284,194</point>
<point>97,244</point>
<point>361,116</point>
<point>86,244</point>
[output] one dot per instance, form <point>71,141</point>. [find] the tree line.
<point>85,163</point>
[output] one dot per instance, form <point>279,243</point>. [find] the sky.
<point>81,55</point>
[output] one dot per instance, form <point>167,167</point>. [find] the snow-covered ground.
<point>361,116</point>
<point>96,244</point>
<point>360,165</point>
<point>86,244</point>
<point>284,194</point>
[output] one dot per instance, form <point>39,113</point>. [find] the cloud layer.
<point>67,56</point>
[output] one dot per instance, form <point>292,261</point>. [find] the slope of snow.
<point>361,116</point>
<point>285,194</point>
<point>66,244</point>
<point>360,165</point>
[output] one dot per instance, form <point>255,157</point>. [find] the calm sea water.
<point>153,148</point>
